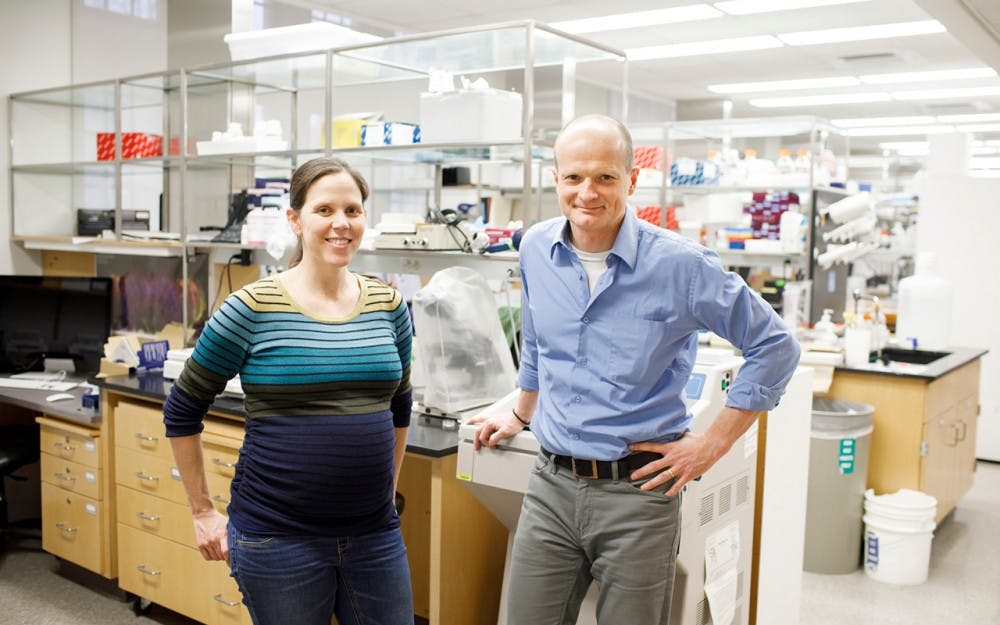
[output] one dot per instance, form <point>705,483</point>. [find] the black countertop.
<point>69,409</point>
<point>427,436</point>
<point>958,357</point>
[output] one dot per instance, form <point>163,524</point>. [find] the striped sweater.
<point>322,398</point>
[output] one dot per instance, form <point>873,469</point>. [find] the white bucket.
<point>898,532</point>
<point>902,506</point>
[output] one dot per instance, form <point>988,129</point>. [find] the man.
<point>612,306</point>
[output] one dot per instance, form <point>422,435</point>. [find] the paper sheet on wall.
<point>721,594</point>
<point>722,551</point>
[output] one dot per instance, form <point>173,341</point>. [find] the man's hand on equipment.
<point>495,429</point>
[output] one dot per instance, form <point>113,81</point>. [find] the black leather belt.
<point>603,469</point>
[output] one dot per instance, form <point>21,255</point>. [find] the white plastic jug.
<point>924,311</point>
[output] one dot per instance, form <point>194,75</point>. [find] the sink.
<point>912,356</point>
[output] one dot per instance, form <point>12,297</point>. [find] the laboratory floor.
<point>961,589</point>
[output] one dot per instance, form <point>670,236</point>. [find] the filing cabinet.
<point>76,521</point>
<point>157,554</point>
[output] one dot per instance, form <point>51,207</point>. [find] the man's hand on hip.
<point>686,458</point>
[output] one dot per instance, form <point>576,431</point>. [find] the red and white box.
<point>105,146</point>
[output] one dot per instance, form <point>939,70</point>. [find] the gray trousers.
<point>573,531</point>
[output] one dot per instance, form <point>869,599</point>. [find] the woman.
<point>324,359</point>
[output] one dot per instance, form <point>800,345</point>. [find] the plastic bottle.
<point>824,331</point>
<point>802,161</point>
<point>923,316</point>
<point>785,163</point>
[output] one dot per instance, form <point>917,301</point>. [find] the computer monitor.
<point>44,317</point>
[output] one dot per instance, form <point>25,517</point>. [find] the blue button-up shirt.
<point>612,365</point>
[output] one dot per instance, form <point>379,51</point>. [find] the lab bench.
<point>112,503</point>
<point>925,417</point>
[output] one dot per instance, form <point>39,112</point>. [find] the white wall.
<point>48,43</point>
<point>35,48</point>
<point>959,216</point>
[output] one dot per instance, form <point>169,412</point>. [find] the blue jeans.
<point>364,580</point>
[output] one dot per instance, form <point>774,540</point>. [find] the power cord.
<point>243,257</point>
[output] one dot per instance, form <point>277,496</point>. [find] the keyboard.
<point>37,385</point>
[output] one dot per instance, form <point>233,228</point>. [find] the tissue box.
<point>471,115</point>
<point>389,133</point>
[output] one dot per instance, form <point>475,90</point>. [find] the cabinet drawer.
<point>163,572</point>
<point>140,428</point>
<point>218,489</point>
<point>155,516</point>
<point>220,460</point>
<point>71,526</point>
<point>71,476</point>
<point>225,600</point>
<point>70,442</point>
<point>149,474</point>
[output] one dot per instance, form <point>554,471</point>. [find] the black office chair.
<point>18,448</point>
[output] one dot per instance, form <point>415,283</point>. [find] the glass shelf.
<point>80,168</point>
<point>94,95</point>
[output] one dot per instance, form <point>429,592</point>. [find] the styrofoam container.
<point>713,208</point>
<point>287,39</point>
<point>470,115</point>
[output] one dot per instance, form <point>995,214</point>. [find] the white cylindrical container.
<point>899,528</point>
<point>923,315</point>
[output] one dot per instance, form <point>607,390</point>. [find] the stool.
<point>18,448</point>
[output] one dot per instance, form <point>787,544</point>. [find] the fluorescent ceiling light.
<point>746,7</point>
<point>941,94</point>
<point>946,74</point>
<point>864,122</point>
<point>880,131</point>
<point>821,100</point>
<point>862,33</point>
<point>697,48</point>
<point>978,128</point>
<point>785,85</point>
<point>690,13</point>
<point>969,118</point>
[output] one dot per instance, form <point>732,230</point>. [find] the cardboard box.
<point>134,145</point>
<point>472,115</point>
<point>389,133</point>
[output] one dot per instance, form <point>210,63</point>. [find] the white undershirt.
<point>594,263</point>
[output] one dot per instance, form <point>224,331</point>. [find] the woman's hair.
<point>304,178</point>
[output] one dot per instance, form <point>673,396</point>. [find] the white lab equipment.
<point>717,511</point>
<point>849,208</point>
<point>465,354</point>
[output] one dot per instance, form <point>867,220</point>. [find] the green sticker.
<point>466,477</point>
<point>845,459</point>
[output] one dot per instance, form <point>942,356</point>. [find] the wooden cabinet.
<point>158,557</point>
<point>77,517</point>
<point>925,430</point>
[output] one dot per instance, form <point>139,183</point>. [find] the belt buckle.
<point>592,464</point>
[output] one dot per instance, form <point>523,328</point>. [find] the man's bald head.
<point>603,123</point>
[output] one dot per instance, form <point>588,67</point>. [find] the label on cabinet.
<point>90,477</point>
<point>90,446</point>
<point>91,509</point>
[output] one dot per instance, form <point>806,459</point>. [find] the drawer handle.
<point>65,447</point>
<point>220,463</point>
<point>151,572</point>
<point>219,499</point>
<point>64,477</point>
<point>148,478</point>
<point>152,518</point>
<point>146,439</point>
<point>965,430</point>
<point>224,601</point>
<point>62,527</point>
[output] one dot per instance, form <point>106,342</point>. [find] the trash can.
<point>838,470</point>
